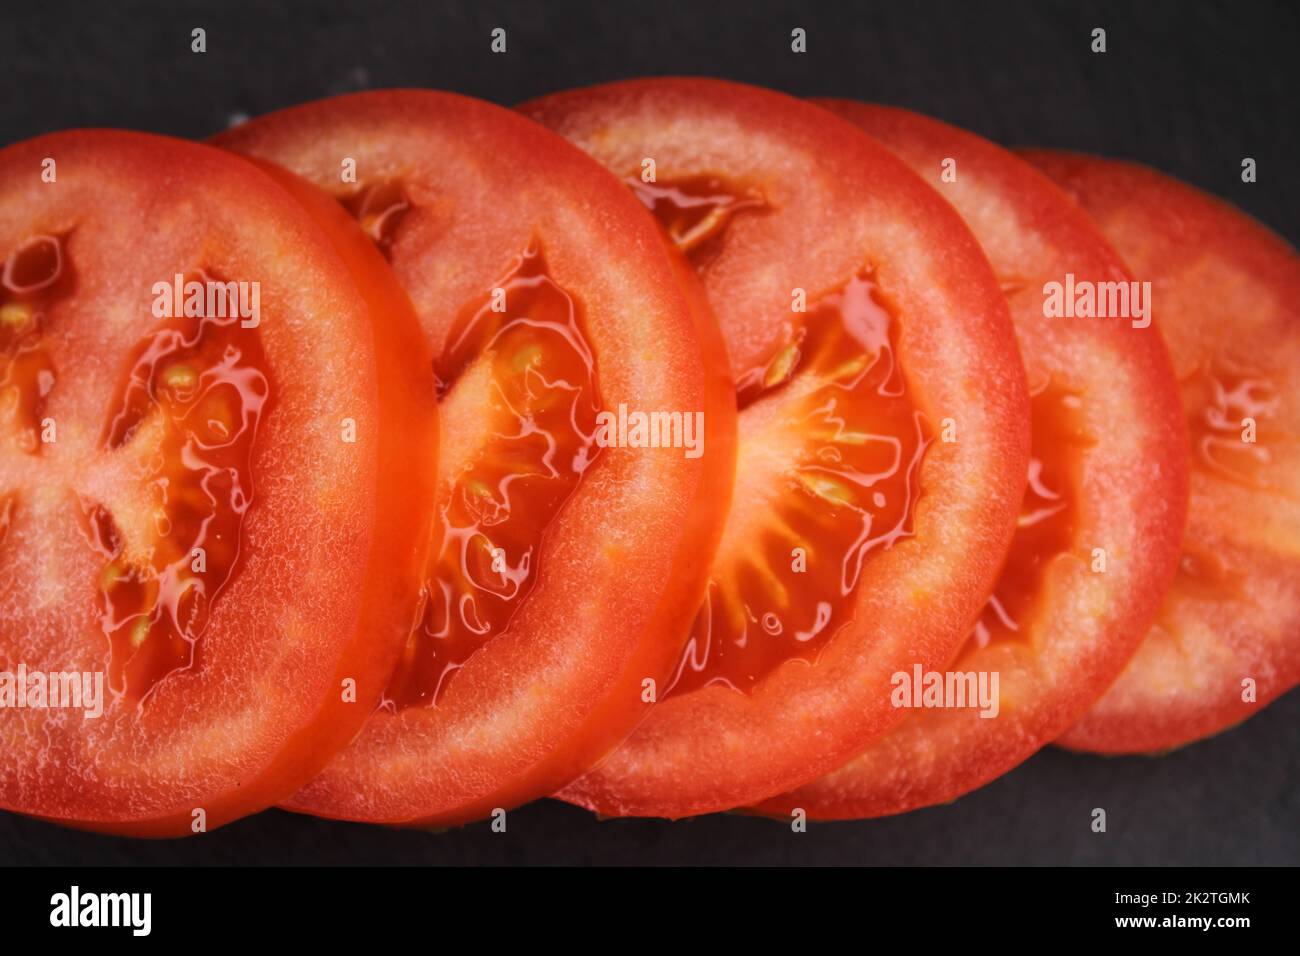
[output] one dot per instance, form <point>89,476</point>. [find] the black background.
<point>1191,88</point>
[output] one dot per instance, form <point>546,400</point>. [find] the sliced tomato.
<point>1097,539</point>
<point>1226,640</point>
<point>574,556</point>
<point>883,432</point>
<point>215,515</point>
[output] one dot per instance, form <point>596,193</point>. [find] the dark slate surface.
<point>1190,88</point>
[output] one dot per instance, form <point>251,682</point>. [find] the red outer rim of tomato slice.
<point>624,564</point>
<point>836,199</point>
<point>359,629</point>
<point>1217,261</point>
<point>1131,494</point>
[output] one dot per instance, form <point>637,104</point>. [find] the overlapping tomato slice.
<point>217,442</point>
<point>1096,543</point>
<point>1226,640</point>
<point>589,444</point>
<point>883,432</point>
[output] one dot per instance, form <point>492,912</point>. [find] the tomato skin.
<point>836,199</point>
<point>624,564</point>
<point>1229,288</point>
<point>1131,492</point>
<point>273,727</point>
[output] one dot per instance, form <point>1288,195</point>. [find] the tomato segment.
<point>782,207</point>
<point>604,555</point>
<point>523,354</point>
<point>829,416</point>
<point>204,524</point>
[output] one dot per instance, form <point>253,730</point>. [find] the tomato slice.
<point>186,528</point>
<point>883,432</point>
<point>574,555</point>
<point>1098,534</point>
<point>1226,640</point>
